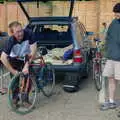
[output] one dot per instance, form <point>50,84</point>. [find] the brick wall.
<point>91,13</point>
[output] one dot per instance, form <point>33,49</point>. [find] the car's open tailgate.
<point>20,2</point>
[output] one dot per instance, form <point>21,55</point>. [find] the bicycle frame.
<point>97,67</point>
<point>98,53</point>
<point>40,64</point>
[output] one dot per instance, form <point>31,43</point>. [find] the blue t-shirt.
<point>14,48</point>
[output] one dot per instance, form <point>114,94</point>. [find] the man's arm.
<point>33,48</point>
<point>7,64</point>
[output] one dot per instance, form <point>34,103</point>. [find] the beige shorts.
<point>112,69</point>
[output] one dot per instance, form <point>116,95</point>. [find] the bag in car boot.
<point>71,83</point>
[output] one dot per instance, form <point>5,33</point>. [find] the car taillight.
<point>77,56</point>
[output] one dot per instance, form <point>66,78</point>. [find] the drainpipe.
<point>6,17</point>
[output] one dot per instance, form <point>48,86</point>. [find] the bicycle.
<point>98,65</point>
<point>41,77</point>
<point>3,80</point>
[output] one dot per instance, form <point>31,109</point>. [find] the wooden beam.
<point>98,15</point>
<point>6,17</point>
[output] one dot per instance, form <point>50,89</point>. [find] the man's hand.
<point>25,70</point>
<point>15,72</point>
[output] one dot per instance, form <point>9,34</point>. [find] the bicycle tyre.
<point>97,76</point>
<point>49,83</point>
<point>12,86</point>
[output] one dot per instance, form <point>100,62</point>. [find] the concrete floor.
<point>82,105</point>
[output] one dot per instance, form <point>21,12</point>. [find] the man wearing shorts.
<point>20,44</point>
<point>112,67</point>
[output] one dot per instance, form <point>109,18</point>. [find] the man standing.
<point>112,67</point>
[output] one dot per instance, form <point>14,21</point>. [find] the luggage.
<point>68,54</point>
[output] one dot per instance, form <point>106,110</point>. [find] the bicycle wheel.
<point>14,96</point>
<point>97,76</point>
<point>47,81</point>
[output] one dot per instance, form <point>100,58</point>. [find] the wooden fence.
<point>91,13</point>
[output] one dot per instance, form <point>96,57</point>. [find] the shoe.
<point>107,105</point>
<point>3,91</point>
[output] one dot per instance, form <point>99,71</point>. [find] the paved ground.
<point>82,105</point>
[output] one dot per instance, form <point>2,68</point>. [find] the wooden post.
<point>98,16</point>
<point>102,92</point>
<point>6,18</point>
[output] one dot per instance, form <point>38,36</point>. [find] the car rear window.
<point>52,34</point>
